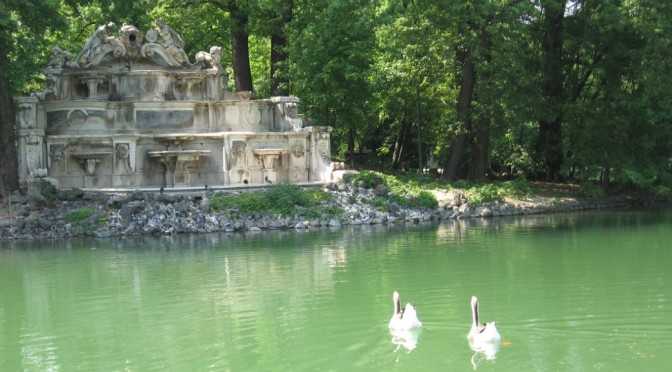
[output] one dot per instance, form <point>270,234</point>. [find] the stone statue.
<point>60,58</point>
<point>212,60</point>
<point>167,43</point>
<point>94,45</point>
<point>287,108</point>
<point>131,37</point>
<point>168,37</point>
<point>54,82</point>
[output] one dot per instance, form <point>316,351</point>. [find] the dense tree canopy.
<point>544,89</point>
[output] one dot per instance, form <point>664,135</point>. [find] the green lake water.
<point>569,292</point>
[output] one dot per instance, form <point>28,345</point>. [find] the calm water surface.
<point>579,292</point>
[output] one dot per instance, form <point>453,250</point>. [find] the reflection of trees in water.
<point>259,290</point>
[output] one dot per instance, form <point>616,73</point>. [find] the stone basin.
<point>268,156</point>
<point>182,155</point>
<point>262,152</point>
<point>90,160</point>
<point>90,155</point>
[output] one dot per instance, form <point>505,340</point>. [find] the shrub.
<point>484,194</point>
<point>663,192</point>
<point>366,179</point>
<point>381,203</point>
<point>282,199</point>
<point>517,187</point>
<point>79,215</point>
<point>591,190</point>
<point>426,199</point>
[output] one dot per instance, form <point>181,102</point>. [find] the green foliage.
<point>281,199</point>
<point>330,46</point>
<point>424,199</point>
<point>484,193</point>
<point>79,215</point>
<point>591,191</point>
<point>247,202</point>
<point>403,190</point>
<point>386,75</point>
<point>366,179</point>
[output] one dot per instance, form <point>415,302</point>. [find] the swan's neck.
<point>397,307</point>
<point>474,314</point>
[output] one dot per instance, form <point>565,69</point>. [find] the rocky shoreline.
<point>33,217</point>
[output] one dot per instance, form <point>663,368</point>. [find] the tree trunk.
<point>418,128</point>
<point>480,145</point>
<point>351,146</point>
<point>399,145</point>
<point>480,149</point>
<point>549,143</point>
<point>279,55</point>
<point>9,179</point>
<point>240,48</point>
<point>458,144</point>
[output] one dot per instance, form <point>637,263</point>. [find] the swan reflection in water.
<point>405,338</point>
<point>487,352</point>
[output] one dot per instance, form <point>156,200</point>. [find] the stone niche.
<point>132,110</point>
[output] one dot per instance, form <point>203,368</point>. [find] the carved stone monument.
<point>131,110</point>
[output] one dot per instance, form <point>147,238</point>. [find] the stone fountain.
<point>131,110</point>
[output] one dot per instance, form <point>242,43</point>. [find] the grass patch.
<point>479,193</point>
<point>405,190</point>
<point>282,199</point>
<point>413,190</point>
<point>79,215</point>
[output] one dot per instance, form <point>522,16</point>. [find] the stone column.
<point>30,129</point>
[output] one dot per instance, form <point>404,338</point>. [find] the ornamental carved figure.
<point>132,39</point>
<point>167,44</point>
<point>210,61</point>
<point>99,45</point>
<point>123,155</point>
<point>237,153</point>
<point>297,150</point>
<point>60,58</point>
<point>56,152</point>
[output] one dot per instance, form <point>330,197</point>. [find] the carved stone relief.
<point>165,43</point>
<point>123,156</point>
<point>56,153</point>
<point>99,45</point>
<point>26,116</point>
<point>238,154</point>
<point>132,39</point>
<point>298,150</point>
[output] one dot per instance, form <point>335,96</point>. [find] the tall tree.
<point>36,16</point>
<point>239,13</point>
<point>279,54</point>
<point>550,123</point>
<point>330,48</point>
<point>240,46</point>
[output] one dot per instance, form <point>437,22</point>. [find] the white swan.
<point>403,319</point>
<point>483,337</point>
